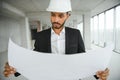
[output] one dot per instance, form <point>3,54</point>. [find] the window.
<point>117,30</point>
<point>105,28</point>
<point>101,29</point>
<point>92,31</point>
<point>109,23</point>
<point>95,24</point>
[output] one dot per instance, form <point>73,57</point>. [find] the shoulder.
<point>44,33</point>
<point>72,30</point>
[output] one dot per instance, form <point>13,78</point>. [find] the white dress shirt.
<point>58,42</point>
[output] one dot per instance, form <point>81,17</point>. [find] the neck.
<point>57,31</point>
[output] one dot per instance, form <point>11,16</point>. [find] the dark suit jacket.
<point>73,41</point>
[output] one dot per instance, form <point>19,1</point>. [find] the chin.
<point>56,27</point>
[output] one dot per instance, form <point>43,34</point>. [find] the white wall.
<point>15,28</point>
<point>8,27</point>
<point>86,32</point>
<point>25,32</point>
<point>14,24</point>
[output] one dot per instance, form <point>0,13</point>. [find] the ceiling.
<point>29,6</point>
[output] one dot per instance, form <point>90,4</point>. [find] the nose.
<point>56,19</point>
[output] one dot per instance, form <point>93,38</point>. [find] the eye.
<point>61,15</point>
<point>53,15</point>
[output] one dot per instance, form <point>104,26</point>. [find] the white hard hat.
<point>59,6</point>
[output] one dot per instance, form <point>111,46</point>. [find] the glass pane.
<point>95,29</point>
<point>117,31</point>
<point>101,30</point>
<point>92,31</point>
<point>109,27</point>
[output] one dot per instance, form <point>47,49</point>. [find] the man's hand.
<point>8,70</point>
<point>103,75</point>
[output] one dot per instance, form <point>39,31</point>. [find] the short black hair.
<point>69,13</point>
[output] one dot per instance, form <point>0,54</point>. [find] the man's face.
<point>58,19</point>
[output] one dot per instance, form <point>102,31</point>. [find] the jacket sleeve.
<point>81,47</point>
<point>17,74</point>
<point>36,46</point>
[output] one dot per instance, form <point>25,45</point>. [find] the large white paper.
<point>44,66</point>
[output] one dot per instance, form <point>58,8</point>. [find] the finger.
<point>6,64</point>
<point>104,78</point>
<point>11,68</point>
<point>106,70</point>
<point>6,74</point>
<point>7,69</point>
<point>12,72</point>
<point>102,73</point>
<point>98,73</point>
<point>105,75</point>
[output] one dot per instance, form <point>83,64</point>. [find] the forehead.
<point>58,13</point>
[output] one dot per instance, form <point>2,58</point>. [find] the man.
<point>59,39</point>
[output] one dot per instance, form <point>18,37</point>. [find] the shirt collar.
<point>62,32</point>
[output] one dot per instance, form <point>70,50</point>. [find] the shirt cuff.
<point>96,77</point>
<point>17,74</point>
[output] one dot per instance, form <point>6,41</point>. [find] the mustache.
<point>56,23</point>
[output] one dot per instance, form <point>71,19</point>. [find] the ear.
<point>68,15</point>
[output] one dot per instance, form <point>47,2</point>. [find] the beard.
<point>57,25</point>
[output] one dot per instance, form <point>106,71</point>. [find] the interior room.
<point>97,20</point>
